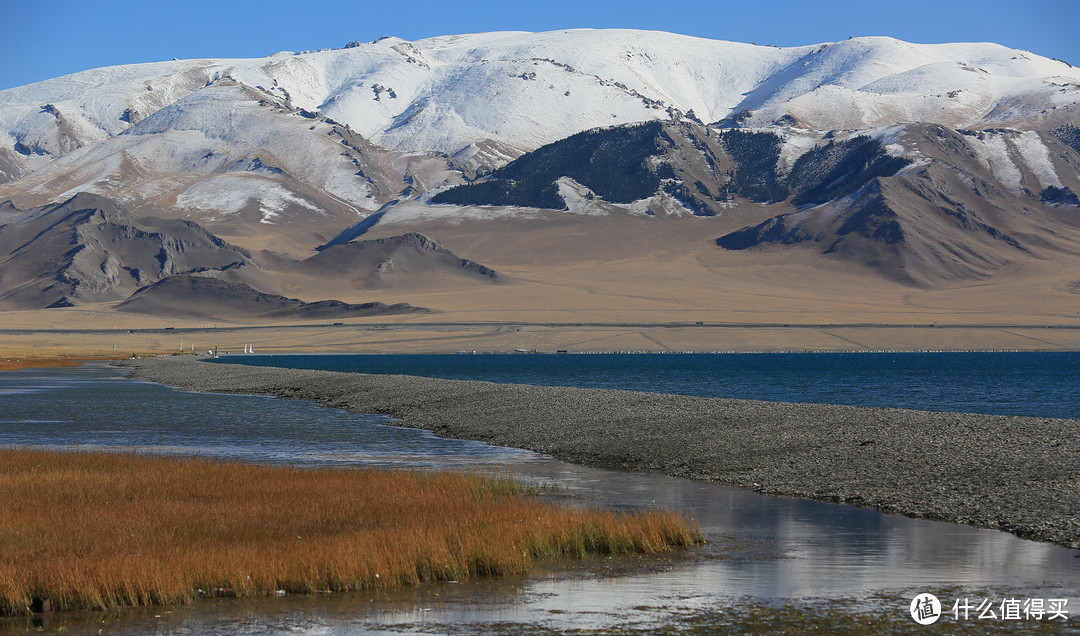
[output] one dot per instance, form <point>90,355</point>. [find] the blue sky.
<point>48,39</point>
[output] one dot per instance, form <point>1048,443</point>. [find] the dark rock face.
<point>1059,196</point>
<point>623,164</point>
<point>875,221</point>
<point>756,176</point>
<point>610,162</point>
<point>839,169</point>
<point>779,229</point>
<point>1070,134</point>
<point>698,166</point>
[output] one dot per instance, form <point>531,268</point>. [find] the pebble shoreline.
<point>1017,474</point>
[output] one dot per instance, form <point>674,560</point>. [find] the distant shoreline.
<point>30,334</point>
<point>225,327</point>
<point>1016,474</point>
<point>642,352</point>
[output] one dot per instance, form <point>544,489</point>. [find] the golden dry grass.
<point>14,364</point>
<point>48,362</point>
<point>98,530</point>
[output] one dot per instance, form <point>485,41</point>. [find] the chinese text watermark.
<point>926,609</point>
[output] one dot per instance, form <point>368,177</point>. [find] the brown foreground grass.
<point>99,530</point>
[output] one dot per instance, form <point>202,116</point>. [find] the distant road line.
<point>843,339</point>
<point>1020,335</point>
<point>484,324</point>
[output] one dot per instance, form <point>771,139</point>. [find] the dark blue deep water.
<point>1035,384</point>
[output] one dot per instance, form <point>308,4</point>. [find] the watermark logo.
<point>925,609</point>
<point>1012,609</point>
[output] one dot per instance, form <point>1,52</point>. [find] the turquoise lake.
<point>1034,384</point>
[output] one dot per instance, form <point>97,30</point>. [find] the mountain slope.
<point>89,249</point>
<point>522,90</point>
<point>701,167</point>
<point>957,212</point>
<point>215,299</point>
<point>407,260</point>
<point>920,203</point>
<point>229,152</point>
<point>931,166</point>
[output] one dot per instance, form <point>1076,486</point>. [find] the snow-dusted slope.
<point>527,89</point>
<point>222,149</point>
<point>287,150</point>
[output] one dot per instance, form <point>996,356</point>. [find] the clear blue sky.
<point>44,39</point>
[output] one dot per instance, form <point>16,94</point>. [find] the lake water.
<point>1036,384</point>
<point>761,549</point>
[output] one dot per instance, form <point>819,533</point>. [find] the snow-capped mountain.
<point>528,89</point>
<point>499,94</point>
<point>865,144</point>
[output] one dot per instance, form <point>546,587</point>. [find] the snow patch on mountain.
<point>993,153</point>
<point>231,194</point>
<point>796,143</point>
<point>408,213</point>
<point>1007,153</point>
<point>1037,157</point>
<point>580,199</point>
<point>660,204</point>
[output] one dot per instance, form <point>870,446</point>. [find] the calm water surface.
<point>1037,384</point>
<point>768,549</point>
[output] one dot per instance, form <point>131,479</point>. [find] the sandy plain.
<point>583,284</point>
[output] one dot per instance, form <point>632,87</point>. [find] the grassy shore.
<point>16,363</point>
<point>99,530</point>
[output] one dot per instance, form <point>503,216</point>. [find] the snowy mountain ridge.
<point>924,163</point>
<point>447,93</point>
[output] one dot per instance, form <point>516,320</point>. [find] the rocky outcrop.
<point>90,249</point>
<point>410,257</point>
<point>962,212</point>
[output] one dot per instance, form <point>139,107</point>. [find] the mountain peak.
<point>526,89</point>
<point>925,162</point>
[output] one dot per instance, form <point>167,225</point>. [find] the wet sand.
<point>1016,474</point>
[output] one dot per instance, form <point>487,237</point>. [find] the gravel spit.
<point>1017,474</point>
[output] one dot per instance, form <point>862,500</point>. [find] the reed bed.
<point>99,530</point>
<point>15,364</point>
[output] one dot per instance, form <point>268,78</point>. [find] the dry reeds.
<point>97,530</point>
<point>15,364</point>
